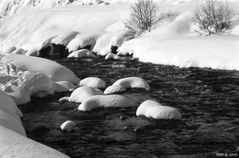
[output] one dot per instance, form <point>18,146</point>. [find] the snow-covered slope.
<point>173,41</point>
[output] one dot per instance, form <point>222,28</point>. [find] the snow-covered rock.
<point>129,82</point>
<point>81,54</point>
<point>81,41</point>
<point>81,94</point>
<point>47,67</point>
<point>153,109</point>
<point>12,123</point>
<point>8,105</point>
<point>94,82</point>
<point>105,101</point>
<point>112,56</point>
<point>68,126</point>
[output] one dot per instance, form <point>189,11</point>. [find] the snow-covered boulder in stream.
<point>81,54</point>
<point>82,41</point>
<point>82,93</point>
<point>129,82</point>
<point>112,56</point>
<point>94,82</point>
<point>153,109</point>
<point>8,105</point>
<point>12,123</point>
<point>105,101</point>
<point>47,67</point>
<point>68,126</point>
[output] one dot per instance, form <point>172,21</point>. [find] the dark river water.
<point>207,99</point>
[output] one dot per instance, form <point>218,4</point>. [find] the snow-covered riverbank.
<point>172,42</point>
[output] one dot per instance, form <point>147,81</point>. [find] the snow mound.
<point>129,82</point>
<point>105,101</point>
<point>153,109</point>
<point>47,67</point>
<point>68,126</point>
<point>94,82</point>
<point>81,54</point>
<point>12,123</point>
<point>82,93</point>
<point>8,105</point>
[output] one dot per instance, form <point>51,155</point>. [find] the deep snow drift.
<point>174,41</point>
<point>22,76</point>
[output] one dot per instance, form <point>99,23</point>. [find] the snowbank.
<point>73,27</point>
<point>177,43</point>
<point>11,123</point>
<point>15,145</point>
<point>21,85</point>
<point>174,41</point>
<point>47,67</point>
<point>8,105</point>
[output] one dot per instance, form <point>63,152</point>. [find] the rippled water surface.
<point>208,100</point>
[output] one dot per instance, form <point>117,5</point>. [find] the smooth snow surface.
<point>11,123</point>
<point>155,110</point>
<point>94,82</point>
<point>47,67</point>
<point>173,41</point>
<point>105,101</point>
<point>9,106</point>
<point>128,82</point>
<point>81,94</point>
<point>15,145</point>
